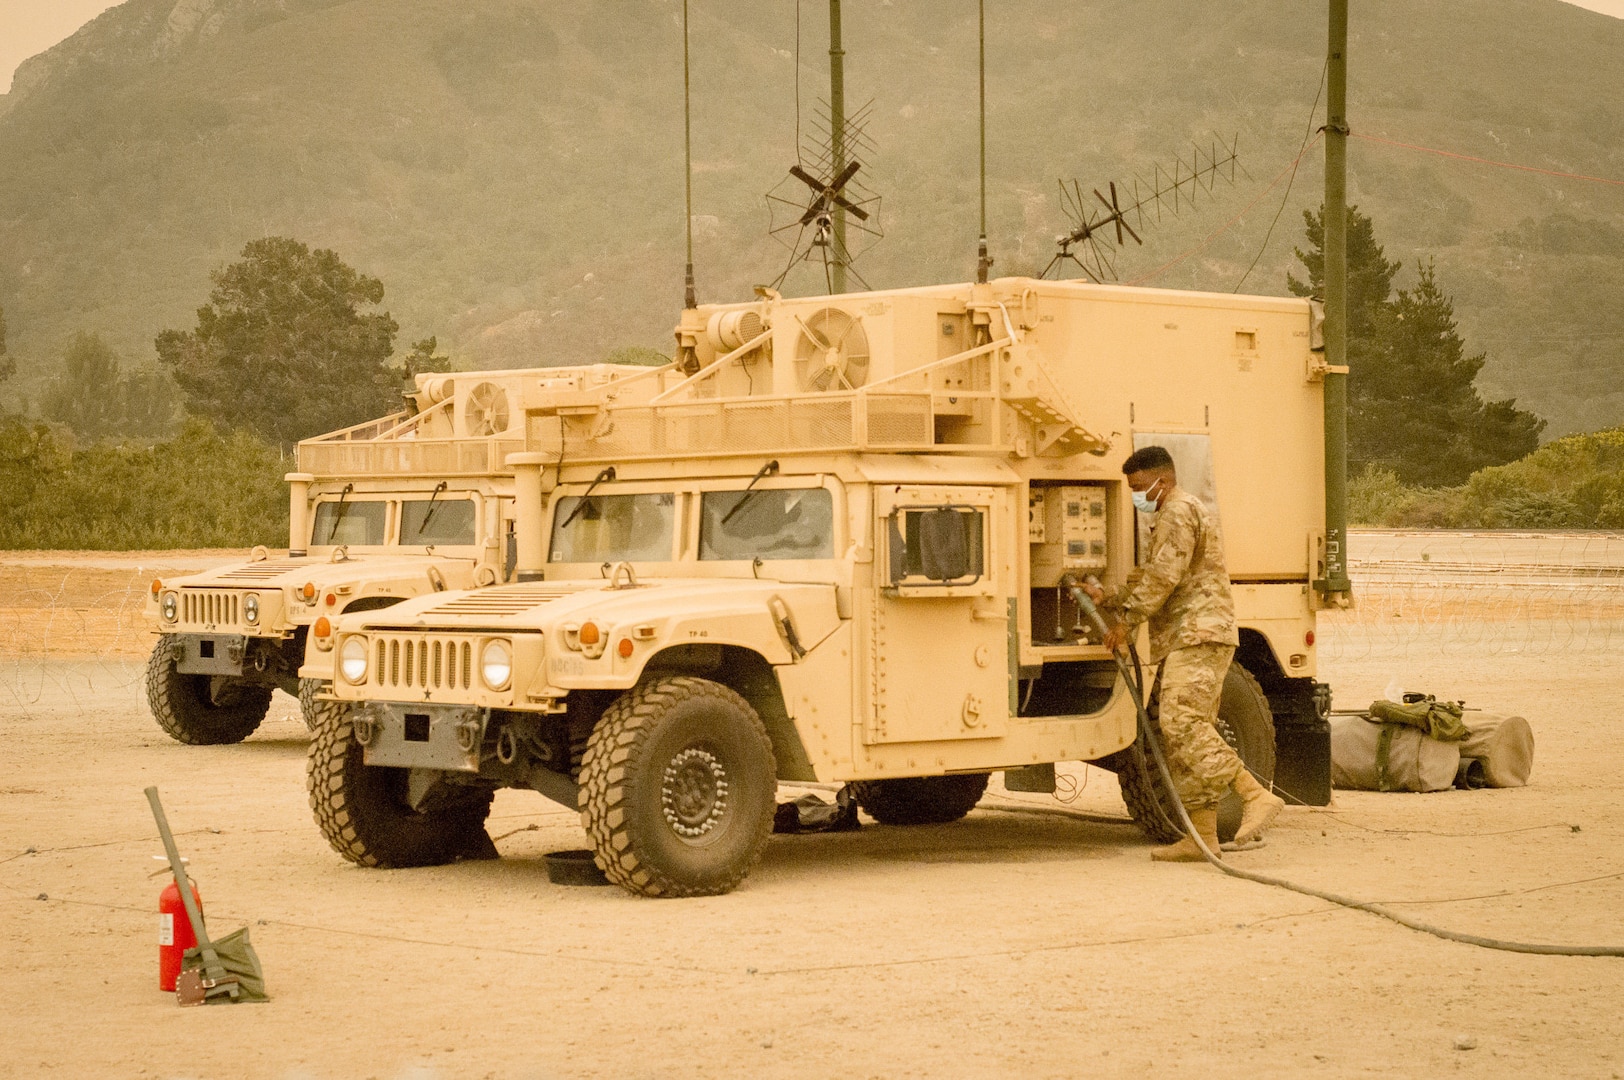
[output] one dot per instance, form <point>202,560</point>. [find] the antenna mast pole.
<point>837,135</point>
<point>689,297</point>
<point>1336,306</point>
<point>982,260</point>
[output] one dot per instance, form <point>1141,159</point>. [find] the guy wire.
<point>1312,110</point>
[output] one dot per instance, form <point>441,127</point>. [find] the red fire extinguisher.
<point>174,933</point>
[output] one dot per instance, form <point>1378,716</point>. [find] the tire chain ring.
<point>693,792</point>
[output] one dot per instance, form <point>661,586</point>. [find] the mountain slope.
<point>512,169</point>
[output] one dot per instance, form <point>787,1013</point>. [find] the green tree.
<point>1421,374</point>
<point>86,395</point>
<point>1413,407</point>
<point>1370,279</point>
<point>284,348</point>
<point>423,358</point>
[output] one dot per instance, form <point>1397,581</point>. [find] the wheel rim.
<point>693,793</point>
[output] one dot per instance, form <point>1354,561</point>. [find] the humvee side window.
<point>610,528</point>
<point>770,523</point>
<point>437,521</point>
<point>350,522</point>
<point>936,545</point>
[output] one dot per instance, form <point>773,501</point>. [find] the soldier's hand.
<point>1095,593</point>
<point>1116,637</point>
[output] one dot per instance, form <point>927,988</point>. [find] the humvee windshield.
<point>610,528</point>
<point>349,521</point>
<point>437,521</point>
<point>767,524</point>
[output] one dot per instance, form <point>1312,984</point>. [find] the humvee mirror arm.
<point>769,469</point>
<point>606,474</point>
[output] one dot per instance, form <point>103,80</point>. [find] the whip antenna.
<point>983,262</point>
<point>689,299</point>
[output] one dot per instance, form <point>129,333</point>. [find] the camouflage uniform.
<point>1184,594</point>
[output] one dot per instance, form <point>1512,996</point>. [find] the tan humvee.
<point>417,502</point>
<point>830,548</point>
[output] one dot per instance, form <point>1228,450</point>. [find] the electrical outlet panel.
<point>1067,530</point>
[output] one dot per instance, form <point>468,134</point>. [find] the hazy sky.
<point>28,27</point>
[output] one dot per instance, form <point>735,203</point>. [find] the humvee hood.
<point>542,605</point>
<point>294,572</point>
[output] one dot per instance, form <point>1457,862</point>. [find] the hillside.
<point>512,169</point>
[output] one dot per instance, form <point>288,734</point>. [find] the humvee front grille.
<point>402,661</point>
<point>209,608</point>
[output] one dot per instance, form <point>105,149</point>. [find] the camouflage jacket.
<point>1183,590</point>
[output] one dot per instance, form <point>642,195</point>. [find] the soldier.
<point>1184,594</point>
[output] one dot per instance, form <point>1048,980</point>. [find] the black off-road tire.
<point>920,800</point>
<point>678,785</point>
<point>308,705</point>
<point>1246,723</point>
<point>183,707</point>
<point>361,809</point>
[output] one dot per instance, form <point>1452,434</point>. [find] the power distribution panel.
<point>1067,530</point>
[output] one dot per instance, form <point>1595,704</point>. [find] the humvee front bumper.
<point>209,654</point>
<point>420,736</point>
<point>259,660</point>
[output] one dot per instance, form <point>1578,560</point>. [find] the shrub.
<point>200,489</point>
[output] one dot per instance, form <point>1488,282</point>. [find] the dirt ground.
<point>1009,944</point>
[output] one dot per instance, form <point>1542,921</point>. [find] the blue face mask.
<point>1142,501</point>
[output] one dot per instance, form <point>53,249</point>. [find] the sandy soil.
<point>1011,943</point>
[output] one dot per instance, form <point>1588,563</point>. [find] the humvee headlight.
<point>170,606</point>
<point>352,659</point>
<point>250,609</point>
<point>308,593</point>
<point>496,664</point>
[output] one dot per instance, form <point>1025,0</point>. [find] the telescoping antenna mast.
<point>983,260</point>
<point>690,299</point>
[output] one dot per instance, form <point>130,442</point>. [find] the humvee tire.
<point>920,800</point>
<point>1246,723</point>
<point>183,706</point>
<point>308,689</point>
<point>361,809</point>
<point>678,785</point>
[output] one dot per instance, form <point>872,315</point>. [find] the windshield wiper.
<point>606,474</point>
<point>423,526</point>
<point>343,508</point>
<point>769,469</point>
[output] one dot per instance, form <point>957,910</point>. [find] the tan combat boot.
<point>1261,807</point>
<point>1206,824</point>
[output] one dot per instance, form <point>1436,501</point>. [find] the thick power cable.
<point>1148,735</point>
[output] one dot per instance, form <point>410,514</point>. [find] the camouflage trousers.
<point>1202,763</point>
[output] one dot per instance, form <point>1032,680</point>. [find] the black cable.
<point>1146,733</point>
<point>1291,180</point>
